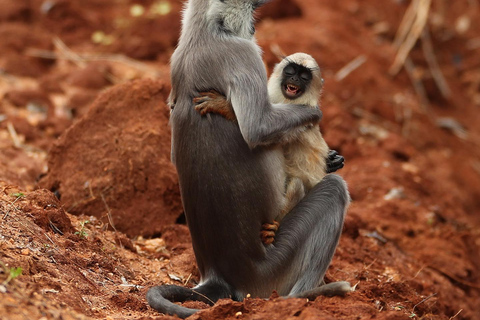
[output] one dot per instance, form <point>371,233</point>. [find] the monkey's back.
<point>231,183</point>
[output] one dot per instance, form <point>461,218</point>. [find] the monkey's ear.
<point>278,52</point>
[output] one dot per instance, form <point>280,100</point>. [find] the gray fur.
<point>231,181</point>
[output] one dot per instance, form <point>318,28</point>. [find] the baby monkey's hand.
<point>214,102</point>
<point>334,161</point>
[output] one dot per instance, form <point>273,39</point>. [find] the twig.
<point>455,278</point>
<point>205,297</point>
<point>418,272</point>
<point>406,24</point>
<point>430,296</point>
<point>77,59</point>
<point>55,245</point>
<point>110,220</point>
<point>60,45</point>
<point>421,9</point>
<point>433,64</point>
<point>371,264</point>
<point>188,279</point>
<point>87,57</point>
<point>92,196</point>
<point>12,204</point>
<point>350,67</point>
<point>5,216</point>
<point>417,83</point>
<point>456,314</point>
<point>109,213</point>
<point>452,125</point>
<point>13,134</point>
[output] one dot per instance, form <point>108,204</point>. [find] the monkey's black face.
<point>295,80</point>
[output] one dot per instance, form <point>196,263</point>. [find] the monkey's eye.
<point>289,70</point>
<point>306,76</point>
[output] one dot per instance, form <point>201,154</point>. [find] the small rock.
<point>395,193</point>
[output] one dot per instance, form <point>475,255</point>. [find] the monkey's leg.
<point>309,234</point>
<point>334,161</point>
<point>294,192</point>
<point>214,102</point>
<point>338,288</point>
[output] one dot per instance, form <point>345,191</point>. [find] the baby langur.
<point>296,80</point>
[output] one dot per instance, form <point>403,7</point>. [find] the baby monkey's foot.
<point>334,161</point>
<point>268,232</point>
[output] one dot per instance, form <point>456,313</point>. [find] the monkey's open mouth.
<point>292,90</point>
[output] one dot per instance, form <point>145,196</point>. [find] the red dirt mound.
<point>114,163</point>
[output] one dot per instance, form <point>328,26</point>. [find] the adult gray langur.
<point>232,181</point>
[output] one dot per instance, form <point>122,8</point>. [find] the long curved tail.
<point>162,298</point>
